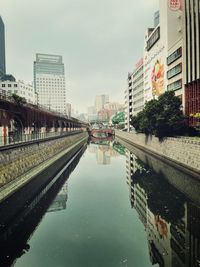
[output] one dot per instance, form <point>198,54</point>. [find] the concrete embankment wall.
<point>182,153</point>
<point>185,183</point>
<point>20,165</point>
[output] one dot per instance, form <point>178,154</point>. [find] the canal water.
<point>111,207</point>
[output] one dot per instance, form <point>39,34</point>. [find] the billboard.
<point>157,77</point>
<point>154,72</point>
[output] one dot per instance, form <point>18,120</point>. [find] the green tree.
<point>162,117</point>
<point>118,118</point>
<point>18,99</point>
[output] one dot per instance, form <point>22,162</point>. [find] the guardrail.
<point>26,138</point>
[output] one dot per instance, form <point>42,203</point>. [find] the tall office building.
<point>134,95</point>
<point>2,49</point>
<point>100,101</point>
<point>49,82</point>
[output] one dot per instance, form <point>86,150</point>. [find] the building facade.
<point>175,60</point>
<point>192,60</point>
<point>92,114</point>
<point>163,60</point>
<point>2,49</point>
<point>134,99</point>
<point>100,101</point>
<point>49,82</point>
<point>21,89</point>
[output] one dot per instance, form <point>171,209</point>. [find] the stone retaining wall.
<point>16,162</point>
<point>183,151</point>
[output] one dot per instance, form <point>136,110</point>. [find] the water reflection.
<point>171,220</point>
<point>59,203</point>
<point>105,149</point>
<point>99,227</point>
<point>16,232</point>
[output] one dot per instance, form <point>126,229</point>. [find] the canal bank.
<point>16,229</point>
<point>112,211</point>
<point>181,153</point>
<point>21,165</point>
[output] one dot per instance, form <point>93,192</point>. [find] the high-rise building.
<point>49,82</point>
<point>162,56</point>
<point>135,93</point>
<point>100,101</point>
<point>2,49</point>
<point>192,60</point>
<point>92,115</point>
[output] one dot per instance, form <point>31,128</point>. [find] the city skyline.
<point>98,55</point>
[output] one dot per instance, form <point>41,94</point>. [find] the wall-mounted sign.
<point>174,4</point>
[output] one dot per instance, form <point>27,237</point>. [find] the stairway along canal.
<point>112,205</point>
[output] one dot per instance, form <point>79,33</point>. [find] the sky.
<point>100,42</point>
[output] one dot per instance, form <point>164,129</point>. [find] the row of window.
<point>153,39</point>
<point>3,85</point>
<point>174,56</point>
<point>138,79</point>
<point>138,94</point>
<point>174,71</point>
<point>9,85</point>
<point>175,85</point>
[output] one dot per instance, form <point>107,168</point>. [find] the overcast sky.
<point>100,41</point>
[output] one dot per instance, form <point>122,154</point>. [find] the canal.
<point>110,207</point>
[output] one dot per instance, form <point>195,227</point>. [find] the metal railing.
<point>24,138</point>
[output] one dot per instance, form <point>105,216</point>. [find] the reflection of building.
<point>59,202</point>
<point>171,221</point>
<point>136,194</point>
<point>104,152</point>
<point>135,92</point>
<point>2,49</point>
<point>49,82</point>
<point>103,156</point>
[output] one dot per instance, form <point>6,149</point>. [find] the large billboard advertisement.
<point>154,72</point>
<point>157,77</point>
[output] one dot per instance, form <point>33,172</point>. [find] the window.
<point>175,85</point>
<point>174,56</point>
<point>174,71</point>
<point>3,85</point>
<point>9,85</point>
<point>153,39</point>
<point>15,85</point>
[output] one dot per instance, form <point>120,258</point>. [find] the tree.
<point>118,118</point>
<point>18,99</point>
<point>162,117</point>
